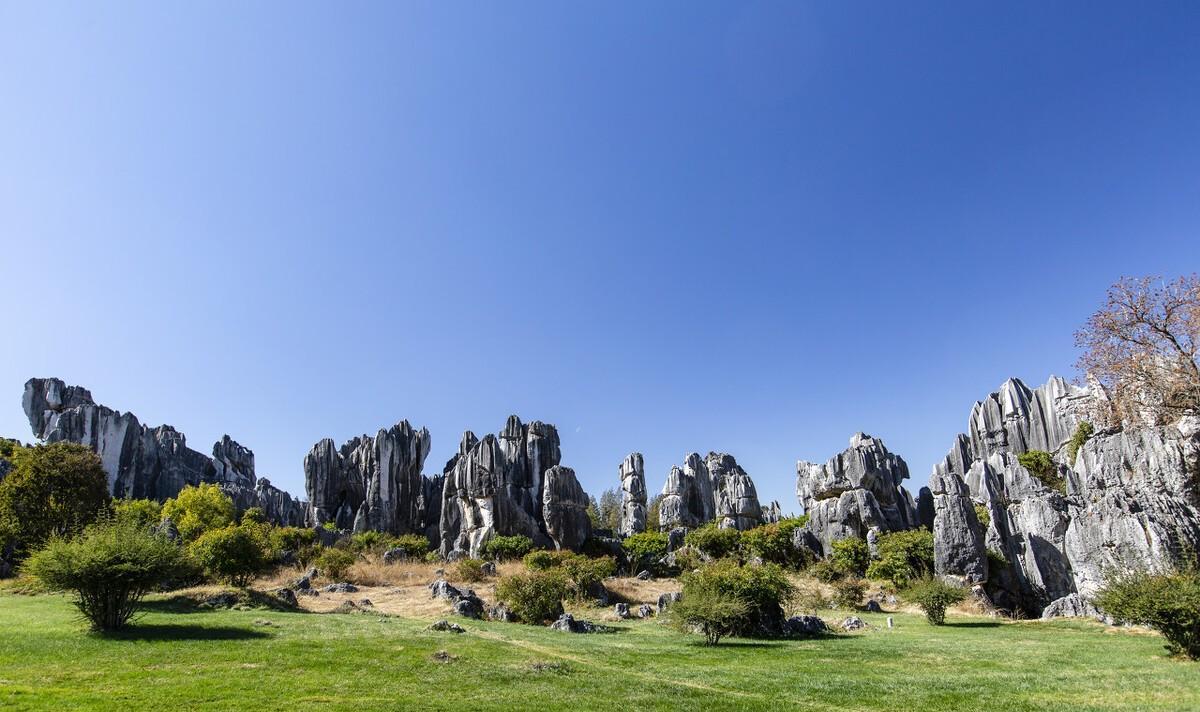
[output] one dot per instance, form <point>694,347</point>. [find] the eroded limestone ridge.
<point>710,489</point>
<point>150,462</point>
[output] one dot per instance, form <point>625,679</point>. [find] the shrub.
<point>763,590</point>
<point>903,556</point>
<point>714,541</point>
<point>469,570</point>
<point>983,515</point>
<point>646,546</point>
<point>234,553</point>
<point>330,527</point>
<point>371,541</point>
<point>332,563</point>
<point>199,509</point>
<point>996,561</point>
<point>933,596</point>
<point>1041,465</point>
<point>1167,602</point>
<point>827,571</point>
<point>848,592</point>
<point>433,557</point>
<point>534,597</point>
<point>254,515</point>
<point>543,559</point>
<point>583,573</point>
<point>414,546</point>
<point>109,567</point>
<point>851,555</point>
<point>52,490</point>
<point>1083,433</point>
<point>709,610</point>
<point>507,548</point>
<point>292,539</point>
<point>773,543</point>
<point>141,512</point>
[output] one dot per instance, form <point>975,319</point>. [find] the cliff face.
<point>144,462</point>
<point>709,489</point>
<point>1129,498</point>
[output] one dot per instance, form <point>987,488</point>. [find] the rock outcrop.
<point>1129,499</point>
<point>498,486</point>
<point>148,463</point>
<point>714,488</point>
<point>633,495</point>
<point>564,509</point>
<point>370,483</point>
<point>958,548</point>
<point>857,493</point>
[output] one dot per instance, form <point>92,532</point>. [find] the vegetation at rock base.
<point>534,596</point>
<point>934,596</point>
<point>709,610</point>
<point>763,590</point>
<point>714,541</point>
<point>52,490</point>
<point>851,555</point>
<point>199,509</point>
<point>902,556</point>
<point>109,568</point>
<point>773,543</point>
<point>469,570</point>
<point>235,553</point>
<point>333,563</point>
<point>645,548</point>
<point>1167,602</point>
<point>983,515</point>
<point>848,592</point>
<point>507,548</point>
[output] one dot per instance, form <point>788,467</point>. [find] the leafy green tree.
<point>255,515</point>
<point>52,490</point>
<point>654,513</point>
<point>714,541</point>
<point>708,609</point>
<point>142,512</point>
<point>199,509</point>
<point>761,589</point>
<point>774,543</point>
<point>109,567</point>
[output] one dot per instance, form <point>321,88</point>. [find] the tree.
<point>109,567</point>
<point>653,516</point>
<point>1168,602</point>
<point>1142,346</point>
<point>143,512</point>
<point>933,596</point>
<point>53,490</point>
<point>608,510</point>
<point>196,510</point>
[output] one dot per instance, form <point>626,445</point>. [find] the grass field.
<point>181,658</point>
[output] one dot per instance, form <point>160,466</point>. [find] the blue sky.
<point>665,227</point>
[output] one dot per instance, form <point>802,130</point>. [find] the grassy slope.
<point>228,660</point>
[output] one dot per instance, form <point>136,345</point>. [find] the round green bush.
<point>762,590</point>
<point>469,570</point>
<point>333,563</point>
<point>534,597</point>
<point>903,556</point>
<point>234,554</point>
<point>714,541</point>
<point>851,555</point>
<point>1167,602</point>
<point>774,543</point>
<point>934,596</point>
<point>199,509</point>
<point>109,567</point>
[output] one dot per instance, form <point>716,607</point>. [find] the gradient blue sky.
<point>664,226</point>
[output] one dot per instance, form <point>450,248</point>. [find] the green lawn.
<point>231,660</point>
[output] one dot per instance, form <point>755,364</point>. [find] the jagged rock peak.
<point>633,495</point>
<point>713,488</point>
<point>564,509</point>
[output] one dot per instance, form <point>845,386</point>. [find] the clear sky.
<point>665,227</point>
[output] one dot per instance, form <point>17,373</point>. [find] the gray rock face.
<point>370,483</point>
<point>958,548</point>
<point>772,514</point>
<point>1072,606</point>
<point>564,509</point>
<point>144,462</point>
<point>633,495</point>
<point>856,492</point>
<point>1131,495</point>
<point>497,486</point>
<point>567,623</point>
<point>708,489</point>
<point>804,626</point>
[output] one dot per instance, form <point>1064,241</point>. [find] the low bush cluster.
<point>333,563</point>
<point>1167,602</point>
<point>774,543</point>
<point>727,598</point>
<point>235,553</point>
<point>903,556</point>
<point>199,509</point>
<point>535,596</point>
<point>1041,465</point>
<point>851,556</point>
<point>507,548</point>
<point>848,592</point>
<point>934,596</point>
<point>469,570</point>
<point>713,541</point>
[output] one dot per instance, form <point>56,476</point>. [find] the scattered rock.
<point>488,568</point>
<point>442,589</point>
<point>645,611</point>
<point>348,607</point>
<point>873,607</point>
<point>665,600</point>
<point>303,583</point>
<point>567,623</point>
<point>342,587</point>
<point>804,625</point>
<point>445,626</point>
<point>621,610</point>
<point>469,606</point>
<point>853,623</point>
<point>1074,606</point>
<point>643,575</point>
<point>366,603</point>
<point>395,556</point>
<point>502,613</point>
<point>287,596</point>
<point>442,656</point>
<point>225,599</point>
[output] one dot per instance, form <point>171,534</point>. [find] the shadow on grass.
<point>973,624</point>
<point>167,632</point>
<point>240,598</point>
